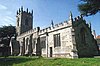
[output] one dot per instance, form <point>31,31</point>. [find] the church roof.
<point>98,37</point>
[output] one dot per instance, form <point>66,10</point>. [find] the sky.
<point>44,11</point>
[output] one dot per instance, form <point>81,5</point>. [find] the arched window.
<point>18,22</point>
<point>43,42</point>
<point>83,34</point>
<point>26,45</point>
<point>57,40</point>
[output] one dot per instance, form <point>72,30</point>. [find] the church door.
<point>50,51</point>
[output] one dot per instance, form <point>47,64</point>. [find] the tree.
<point>6,32</point>
<point>89,7</point>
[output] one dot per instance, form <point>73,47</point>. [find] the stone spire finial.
<point>70,16</point>
<point>52,24</point>
<point>22,8</point>
<point>17,11</point>
<point>32,11</point>
<point>27,10</point>
<point>94,34</point>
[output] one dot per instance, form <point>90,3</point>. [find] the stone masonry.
<point>69,39</point>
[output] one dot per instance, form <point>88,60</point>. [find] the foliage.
<point>89,7</point>
<point>6,32</point>
<point>33,61</point>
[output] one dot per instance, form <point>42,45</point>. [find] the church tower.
<point>24,21</point>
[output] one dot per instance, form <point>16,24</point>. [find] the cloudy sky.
<point>44,12</point>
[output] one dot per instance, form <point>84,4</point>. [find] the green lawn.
<point>32,61</point>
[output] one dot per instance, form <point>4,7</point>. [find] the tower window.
<point>18,22</point>
<point>26,21</point>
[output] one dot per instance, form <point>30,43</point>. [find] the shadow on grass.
<point>9,61</point>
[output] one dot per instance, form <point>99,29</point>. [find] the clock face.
<point>26,21</point>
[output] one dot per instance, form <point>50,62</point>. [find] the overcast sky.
<point>44,12</point>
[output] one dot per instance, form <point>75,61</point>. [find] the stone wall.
<point>86,44</point>
<point>67,39</point>
<point>74,42</point>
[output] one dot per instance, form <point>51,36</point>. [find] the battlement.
<point>22,11</point>
<point>78,18</point>
<point>30,31</point>
<point>60,25</point>
<point>65,23</point>
<point>55,27</point>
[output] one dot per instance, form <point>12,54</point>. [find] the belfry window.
<point>26,21</point>
<point>18,22</point>
<point>57,40</point>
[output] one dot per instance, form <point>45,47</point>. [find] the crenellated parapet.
<point>61,25</point>
<point>20,11</point>
<point>78,18</point>
<point>55,27</point>
<point>58,26</point>
<point>32,31</point>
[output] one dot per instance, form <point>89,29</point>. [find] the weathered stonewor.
<point>68,39</point>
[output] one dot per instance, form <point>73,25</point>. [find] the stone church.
<point>69,39</point>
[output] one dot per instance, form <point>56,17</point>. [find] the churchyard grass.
<point>39,61</point>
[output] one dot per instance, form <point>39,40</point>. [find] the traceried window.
<point>57,40</point>
<point>43,42</point>
<point>83,34</point>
